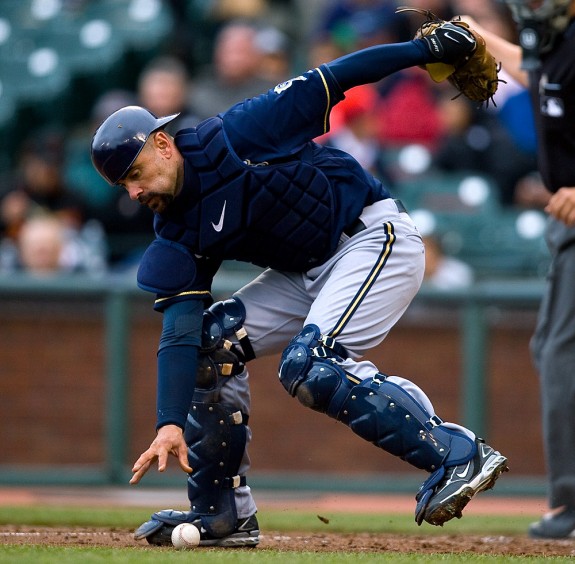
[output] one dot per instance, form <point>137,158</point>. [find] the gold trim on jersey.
<point>189,293</point>
<point>368,282</point>
<point>327,109</point>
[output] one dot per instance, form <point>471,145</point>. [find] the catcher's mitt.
<point>474,74</point>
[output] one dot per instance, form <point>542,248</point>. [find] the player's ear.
<point>163,142</point>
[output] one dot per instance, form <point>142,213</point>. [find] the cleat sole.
<point>454,506</point>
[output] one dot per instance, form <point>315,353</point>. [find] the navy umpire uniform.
<point>342,260</point>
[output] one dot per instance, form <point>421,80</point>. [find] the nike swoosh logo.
<point>457,39</point>
<point>219,225</point>
<point>465,472</point>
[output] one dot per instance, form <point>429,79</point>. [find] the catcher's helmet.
<point>543,10</point>
<point>120,138</point>
<point>539,22</point>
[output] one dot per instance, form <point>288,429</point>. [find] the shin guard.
<point>216,439</point>
<point>376,409</point>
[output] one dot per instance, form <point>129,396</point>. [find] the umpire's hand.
<point>562,205</point>
<point>169,440</point>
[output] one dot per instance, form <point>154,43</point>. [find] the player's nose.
<point>134,191</point>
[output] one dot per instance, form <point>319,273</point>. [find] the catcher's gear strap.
<point>213,368</point>
<point>222,320</point>
<point>216,436</point>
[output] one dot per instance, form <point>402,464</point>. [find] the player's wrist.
<point>169,422</point>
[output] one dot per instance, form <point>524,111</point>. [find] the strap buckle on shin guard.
<point>245,344</point>
<point>234,482</point>
<point>328,347</point>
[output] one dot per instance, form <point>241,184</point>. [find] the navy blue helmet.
<point>119,140</point>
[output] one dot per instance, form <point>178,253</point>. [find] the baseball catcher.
<point>342,261</point>
<point>474,73</point>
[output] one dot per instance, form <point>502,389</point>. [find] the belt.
<point>400,206</point>
<point>358,226</point>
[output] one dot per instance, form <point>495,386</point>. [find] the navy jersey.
<point>258,189</point>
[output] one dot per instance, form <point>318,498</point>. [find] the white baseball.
<point>185,535</point>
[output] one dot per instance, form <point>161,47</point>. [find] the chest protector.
<point>277,215</point>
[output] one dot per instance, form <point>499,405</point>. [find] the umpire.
<point>545,63</point>
<point>343,261</point>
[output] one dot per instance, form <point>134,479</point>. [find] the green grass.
<point>52,555</point>
<point>271,520</point>
<point>288,521</point>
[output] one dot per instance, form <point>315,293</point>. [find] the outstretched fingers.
<point>169,440</point>
<point>142,465</point>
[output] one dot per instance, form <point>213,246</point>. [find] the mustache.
<point>166,199</point>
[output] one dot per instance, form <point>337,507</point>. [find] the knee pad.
<point>221,321</point>
<point>309,370</point>
<point>219,358</point>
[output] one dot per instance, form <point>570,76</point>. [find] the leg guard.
<point>216,439</point>
<point>377,410</point>
<point>216,434</point>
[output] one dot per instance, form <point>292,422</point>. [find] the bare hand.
<point>562,205</point>
<point>472,22</point>
<point>169,440</point>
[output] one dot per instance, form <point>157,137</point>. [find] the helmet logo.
<point>529,38</point>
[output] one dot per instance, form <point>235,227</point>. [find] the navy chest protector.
<point>277,215</point>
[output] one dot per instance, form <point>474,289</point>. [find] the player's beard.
<point>157,201</point>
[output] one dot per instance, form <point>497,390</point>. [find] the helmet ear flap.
<point>120,138</point>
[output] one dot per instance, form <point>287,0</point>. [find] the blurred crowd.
<point>57,215</point>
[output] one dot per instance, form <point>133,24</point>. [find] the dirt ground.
<point>322,504</point>
<point>315,542</point>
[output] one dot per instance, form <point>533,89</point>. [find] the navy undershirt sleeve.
<point>178,361</point>
<point>176,381</point>
<point>283,120</point>
<point>377,62</point>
